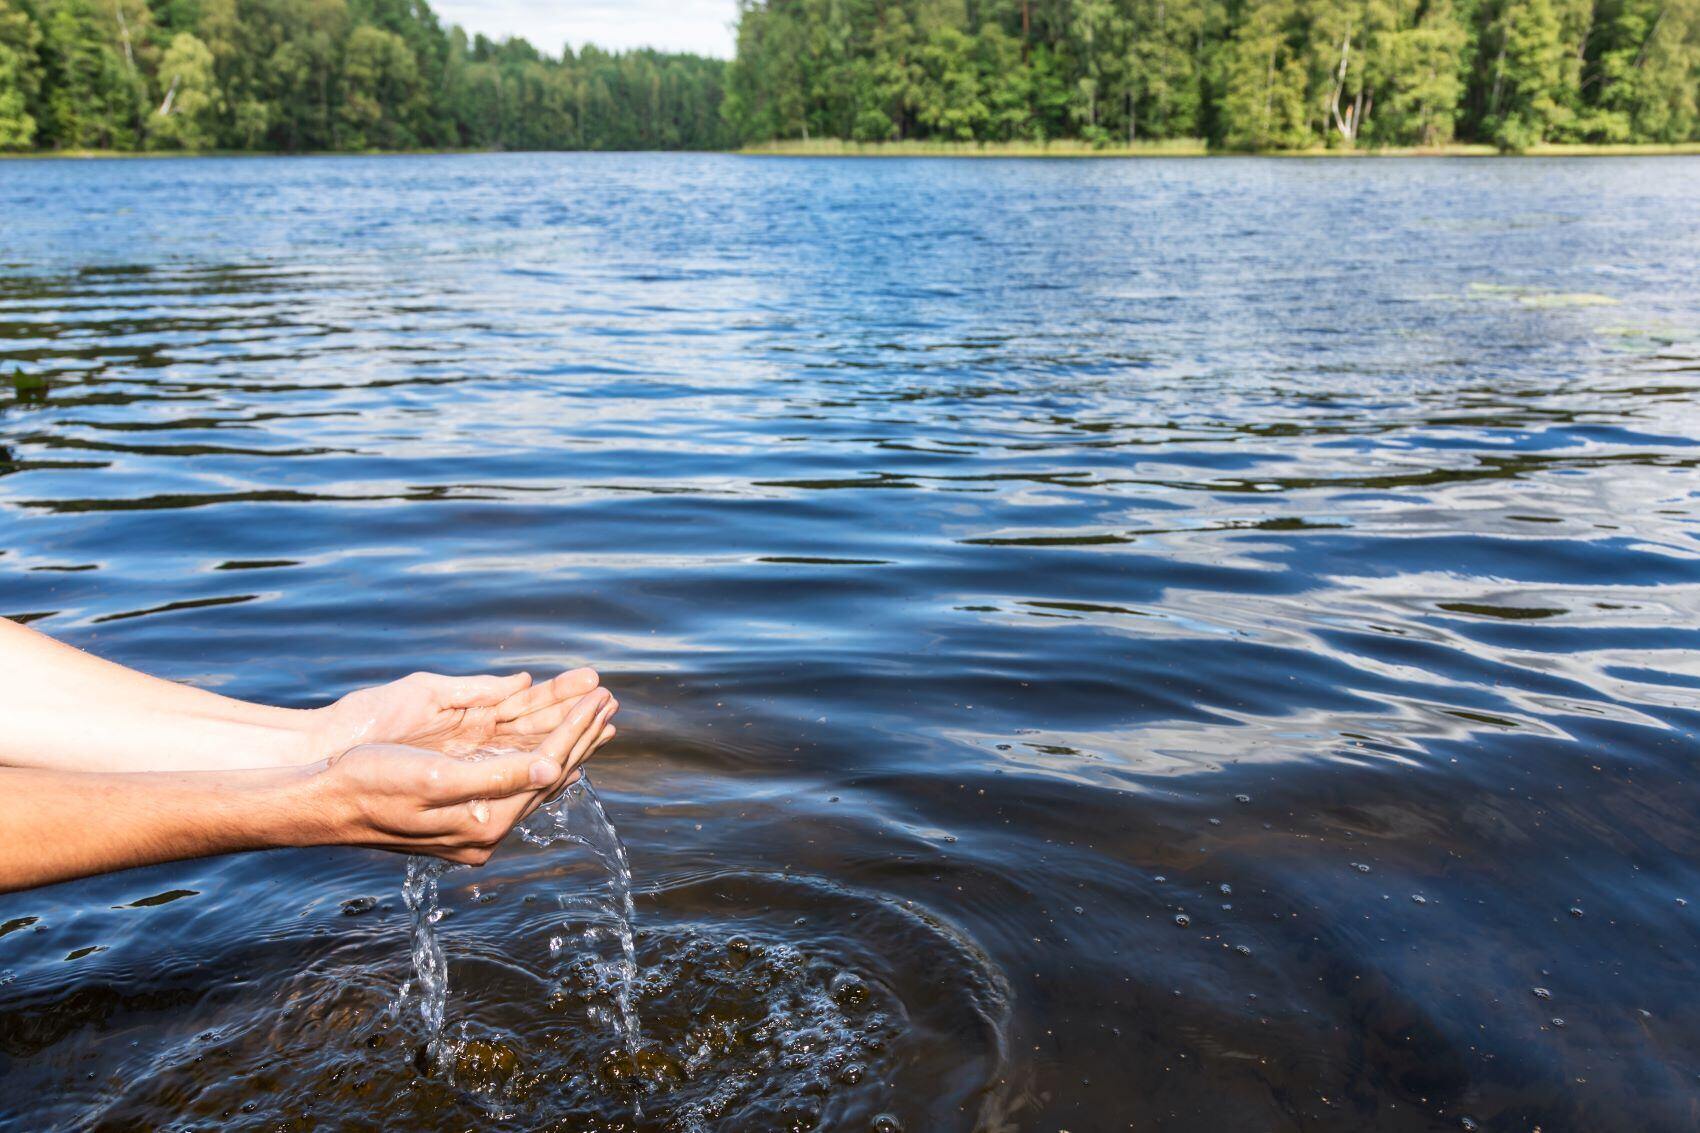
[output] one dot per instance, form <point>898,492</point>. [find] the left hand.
<point>454,715</point>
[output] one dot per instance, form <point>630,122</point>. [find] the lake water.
<point>1183,645</point>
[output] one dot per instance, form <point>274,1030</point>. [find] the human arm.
<point>62,825</point>
<point>71,711</point>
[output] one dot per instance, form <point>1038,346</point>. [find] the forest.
<point>313,75</point>
<point>356,75</point>
<point>1242,74</point>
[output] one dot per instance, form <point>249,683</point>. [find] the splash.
<point>575,815</point>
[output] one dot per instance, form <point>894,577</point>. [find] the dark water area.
<point>1185,645</point>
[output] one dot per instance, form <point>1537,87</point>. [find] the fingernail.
<point>543,773</point>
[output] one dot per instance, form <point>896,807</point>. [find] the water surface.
<point>1169,644</point>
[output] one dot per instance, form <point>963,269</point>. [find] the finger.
<point>479,692</point>
<point>541,722</point>
<point>570,774</point>
<point>587,742</point>
<point>551,694</point>
<point>452,781</point>
<point>560,742</point>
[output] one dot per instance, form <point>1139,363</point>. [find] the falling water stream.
<point>575,815</point>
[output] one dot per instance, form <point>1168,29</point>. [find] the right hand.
<point>413,801</point>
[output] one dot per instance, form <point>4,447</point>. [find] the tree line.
<point>297,75</point>
<point>1243,74</point>
<point>300,75</point>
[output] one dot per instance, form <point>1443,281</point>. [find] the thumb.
<point>458,780</point>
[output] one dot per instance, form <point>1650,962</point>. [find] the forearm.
<point>57,826</point>
<point>68,710</point>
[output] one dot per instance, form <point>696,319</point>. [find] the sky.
<point>703,26</point>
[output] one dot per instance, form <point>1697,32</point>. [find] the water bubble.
<point>1468,1125</point>
<point>1360,867</point>
<point>1080,909</point>
<point>848,991</point>
<point>1541,993</point>
<point>1215,822</point>
<point>1575,911</point>
<point>1243,949</point>
<point>1183,920</point>
<point>1558,1022</point>
<point>1419,898</point>
<point>359,905</point>
<point>885,1123</point>
<point>1242,798</point>
<point>1227,890</point>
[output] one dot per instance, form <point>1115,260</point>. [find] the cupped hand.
<point>417,801</point>
<point>455,715</point>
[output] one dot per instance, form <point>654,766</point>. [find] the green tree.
<point>96,92</point>
<point>1263,82</point>
<point>1529,99</point>
<point>1646,71</point>
<point>189,111</point>
<point>1415,74</point>
<point>20,77</point>
<point>380,91</point>
<point>947,88</point>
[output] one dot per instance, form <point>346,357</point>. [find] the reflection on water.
<point>1176,644</point>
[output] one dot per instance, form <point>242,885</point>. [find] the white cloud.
<point>703,26</point>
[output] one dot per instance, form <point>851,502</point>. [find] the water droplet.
<point>1419,898</point>
<point>1183,920</point>
<point>1242,949</point>
<point>1574,911</point>
<point>1360,867</point>
<point>1227,890</point>
<point>1468,1125</point>
<point>1159,879</point>
<point>885,1123</point>
<point>1541,993</point>
<point>1079,909</point>
<point>358,905</point>
<point>1558,1022</point>
<point>1242,798</point>
<point>1215,822</point>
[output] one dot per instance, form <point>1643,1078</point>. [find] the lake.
<point>1170,644</point>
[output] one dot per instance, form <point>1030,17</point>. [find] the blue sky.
<point>703,26</point>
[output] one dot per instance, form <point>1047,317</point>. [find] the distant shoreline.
<point>1186,147</point>
<point>832,147</point>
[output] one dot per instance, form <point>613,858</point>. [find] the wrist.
<point>296,811</point>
